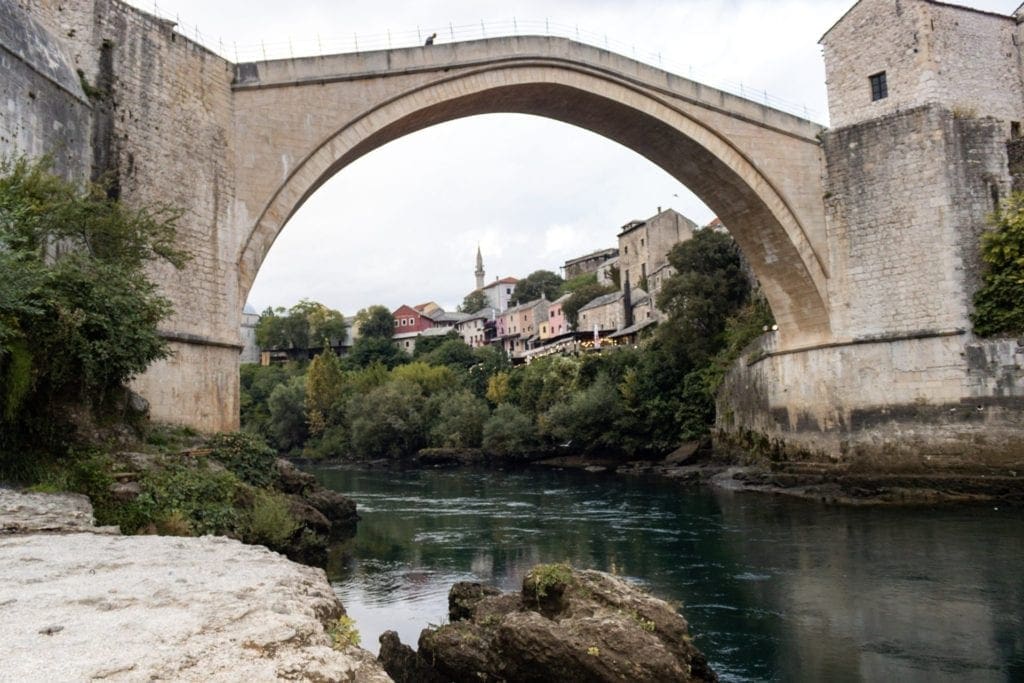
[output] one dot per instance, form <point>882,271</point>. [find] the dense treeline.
<point>621,402</point>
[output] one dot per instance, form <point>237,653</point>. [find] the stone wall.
<point>964,59</point>
<point>949,402</point>
<point>906,196</point>
<point>43,108</point>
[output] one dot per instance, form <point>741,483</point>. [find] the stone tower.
<point>479,272</point>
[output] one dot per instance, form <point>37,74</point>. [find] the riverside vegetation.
<point>450,401</point>
<point>78,319</point>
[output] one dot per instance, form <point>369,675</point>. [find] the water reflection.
<point>775,589</point>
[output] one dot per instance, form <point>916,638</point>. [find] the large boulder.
<point>565,625</point>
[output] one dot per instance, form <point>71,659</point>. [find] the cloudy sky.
<point>402,224</point>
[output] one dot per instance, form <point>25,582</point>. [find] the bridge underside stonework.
<point>864,239</point>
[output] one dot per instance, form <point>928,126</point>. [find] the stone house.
<point>888,56</point>
<point>644,246</point>
<point>588,263</point>
<point>605,313</point>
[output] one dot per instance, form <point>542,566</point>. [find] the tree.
<point>474,301</point>
<point>452,352</point>
<point>537,283</point>
<point>368,351</point>
<point>707,288</point>
<point>78,312</point>
<point>581,297</point>
<point>287,406</point>
<point>388,421</point>
<point>325,392</point>
<point>460,421</point>
<point>425,345</point>
<point>999,303</point>
<point>509,432</point>
<point>307,324</point>
<point>375,321</point>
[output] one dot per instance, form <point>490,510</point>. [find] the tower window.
<point>879,88</point>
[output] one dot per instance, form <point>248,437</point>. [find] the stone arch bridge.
<point>864,238</point>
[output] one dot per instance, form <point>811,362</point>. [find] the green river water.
<point>774,588</point>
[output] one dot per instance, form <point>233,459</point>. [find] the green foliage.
<point>448,350</point>
<point>257,383</point>
<point>544,579</point>
<point>78,314</point>
<point>305,325</point>
<point>344,633</point>
<point>269,522</point>
<point>708,287</point>
<point>367,351</point>
<point>325,392</point>
<point>474,301</point>
<point>582,296</point>
<point>287,421</point>
<point>488,361</point>
<point>509,432</point>
<point>247,455</point>
<point>546,381</point>
<point>536,284</point>
<point>589,420</point>
<point>430,379</point>
<point>574,283</point>
<point>202,494</point>
<point>460,421</point>
<point>388,421</point>
<point>375,321</point>
<point>999,304</point>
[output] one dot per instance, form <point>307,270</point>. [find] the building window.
<point>879,88</point>
<point>641,241</point>
<point>626,250</point>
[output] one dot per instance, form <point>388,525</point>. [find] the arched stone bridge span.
<point>297,122</point>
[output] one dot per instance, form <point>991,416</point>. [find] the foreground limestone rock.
<point>565,625</point>
<point>80,606</point>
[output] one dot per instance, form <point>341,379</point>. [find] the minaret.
<point>479,269</point>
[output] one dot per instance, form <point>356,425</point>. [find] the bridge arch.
<point>769,229</point>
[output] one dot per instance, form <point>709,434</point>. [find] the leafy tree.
<point>589,419</point>
<point>574,283</point>
<point>999,304</point>
<point>582,296</point>
<point>709,286</point>
<point>367,351</point>
<point>78,313</point>
<point>498,390</point>
<point>474,301</point>
<point>307,324</point>
<point>375,321</point>
<point>460,421</point>
<point>325,392</point>
<point>537,283</point>
<point>287,423</point>
<point>430,379</point>
<point>488,361</point>
<point>424,345</point>
<point>452,352</point>
<point>388,421</point>
<point>509,431</point>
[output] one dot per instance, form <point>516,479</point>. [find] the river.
<point>774,588</point>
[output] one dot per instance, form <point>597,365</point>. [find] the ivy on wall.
<point>999,304</point>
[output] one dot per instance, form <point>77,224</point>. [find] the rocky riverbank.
<point>82,603</point>
<point>565,625</point>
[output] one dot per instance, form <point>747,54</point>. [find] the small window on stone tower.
<point>879,88</point>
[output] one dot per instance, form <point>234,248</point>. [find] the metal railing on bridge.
<point>451,32</point>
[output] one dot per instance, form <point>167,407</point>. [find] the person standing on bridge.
<point>430,39</point>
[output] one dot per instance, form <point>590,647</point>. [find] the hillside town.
<point>630,275</point>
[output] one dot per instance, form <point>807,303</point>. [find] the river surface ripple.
<point>773,588</point>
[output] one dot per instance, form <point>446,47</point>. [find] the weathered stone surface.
<point>403,664</point>
<point>27,513</point>
<point>565,625</point>
<point>82,606</point>
<point>80,602</point>
<point>340,510</point>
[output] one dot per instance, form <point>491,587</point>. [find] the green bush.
<point>388,421</point>
<point>509,432</point>
<point>287,406</point>
<point>999,304</point>
<point>460,421</point>
<point>589,420</point>
<point>247,455</point>
<point>76,322</point>
<point>270,523</point>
